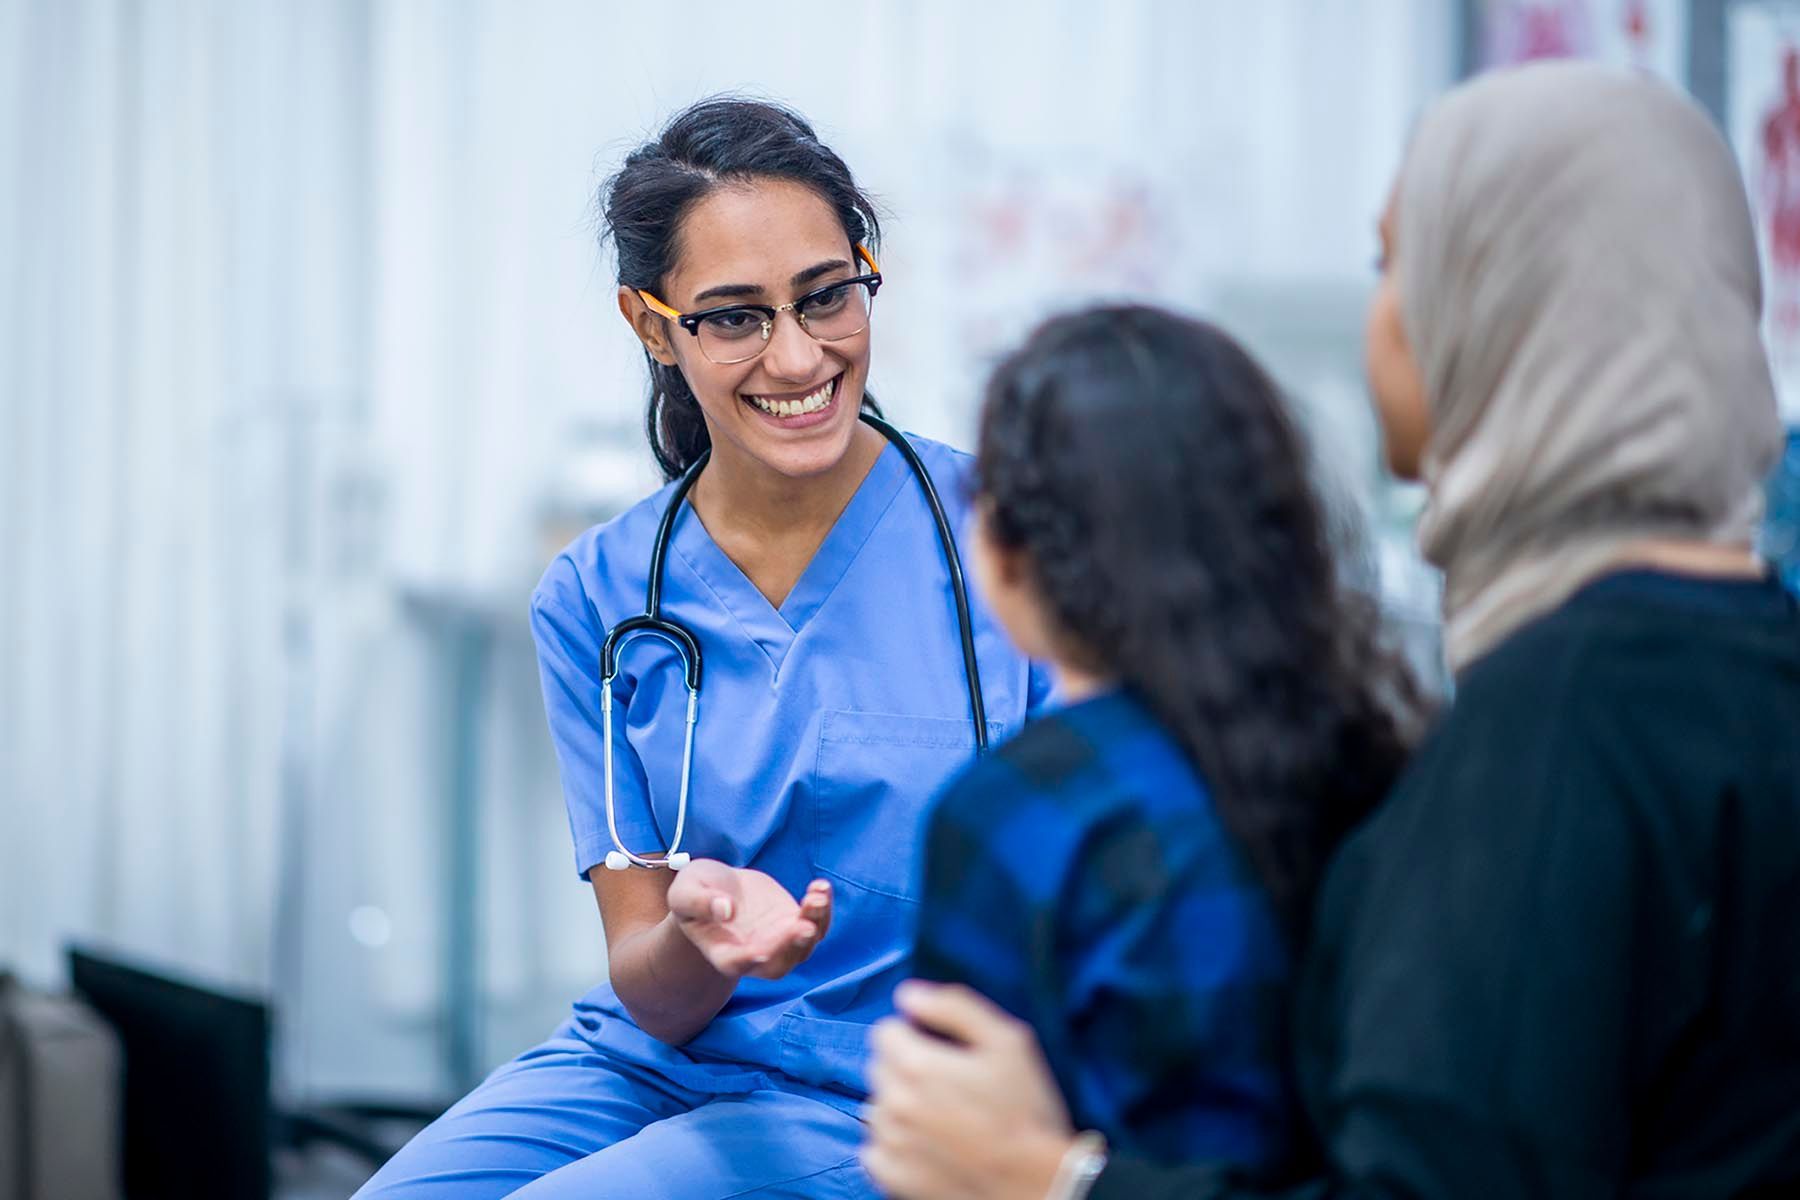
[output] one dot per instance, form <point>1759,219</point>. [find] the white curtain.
<point>308,364</point>
<point>182,291</point>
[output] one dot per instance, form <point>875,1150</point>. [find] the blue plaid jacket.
<point>1080,877</point>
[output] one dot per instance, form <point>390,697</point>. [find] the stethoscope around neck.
<point>651,623</point>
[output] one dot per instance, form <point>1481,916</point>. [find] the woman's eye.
<point>737,323</point>
<point>827,301</point>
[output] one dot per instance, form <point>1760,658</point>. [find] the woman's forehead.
<point>759,233</point>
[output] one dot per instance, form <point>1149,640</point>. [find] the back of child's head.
<point>1149,471</point>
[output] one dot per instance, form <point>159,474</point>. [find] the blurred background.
<point>309,363</point>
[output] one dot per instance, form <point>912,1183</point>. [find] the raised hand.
<point>744,922</point>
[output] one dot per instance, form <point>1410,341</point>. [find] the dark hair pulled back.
<point>1149,470</point>
<point>717,142</point>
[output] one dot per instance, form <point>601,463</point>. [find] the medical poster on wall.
<point>1651,35</point>
<point>1763,112</point>
<point>1091,229</point>
<point>1034,233</point>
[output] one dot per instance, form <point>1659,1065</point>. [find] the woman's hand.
<point>744,922</point>
<point>962,1105</point>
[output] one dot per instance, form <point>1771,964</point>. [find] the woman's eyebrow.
<point>735,290</point>
<point>813,272</point>
<point>729,291</point>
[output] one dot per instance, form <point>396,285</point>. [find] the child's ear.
<point>1008,564</point>
<point>1013,567</point>
<point>651,328</point>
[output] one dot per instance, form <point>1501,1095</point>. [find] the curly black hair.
<point>710,144</point>
<point>1150,472</point>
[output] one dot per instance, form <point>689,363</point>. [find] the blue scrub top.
<point>825,728</point>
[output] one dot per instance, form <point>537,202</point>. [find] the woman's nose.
<point>792,354</point>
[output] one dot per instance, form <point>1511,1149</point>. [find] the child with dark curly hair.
<point>1131,875</point>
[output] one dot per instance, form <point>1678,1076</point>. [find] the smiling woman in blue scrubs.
<point>725,1055</point>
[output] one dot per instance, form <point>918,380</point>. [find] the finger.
<point>817,905</point>
<point>890,1081</point>
<point>914,1058</point>
<point>883,1126</point>
<point>955,1012</point>
<point>881,1081</point>
<point>882,1038</point>
<point>696,903</point>
<point>786,954</point>
<point>770,961</point>
<point>884,1168</point>
<point>903,1170</point>
<point>721,908</point>
<point>767,945</point>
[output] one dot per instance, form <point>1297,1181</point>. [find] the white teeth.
<point>795,408</point>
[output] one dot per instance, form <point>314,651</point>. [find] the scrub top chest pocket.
<point>876,774</point>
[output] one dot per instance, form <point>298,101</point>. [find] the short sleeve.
<point>568,635</point>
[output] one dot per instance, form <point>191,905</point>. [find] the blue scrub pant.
<point>563,1121</point>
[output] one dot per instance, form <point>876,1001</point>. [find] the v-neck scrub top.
<point>825,728</point>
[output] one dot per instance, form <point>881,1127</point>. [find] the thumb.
<point>697,903</point>
<point>955,1012</point>
<point>700,894</point>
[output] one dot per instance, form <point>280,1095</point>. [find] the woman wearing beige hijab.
<point>1563,959</point>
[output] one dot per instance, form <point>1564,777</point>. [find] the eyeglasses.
<point>735,333</point>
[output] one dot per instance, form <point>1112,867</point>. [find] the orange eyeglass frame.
<point>690,321</point>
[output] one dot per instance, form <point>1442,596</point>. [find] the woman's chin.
<point>810,458</point>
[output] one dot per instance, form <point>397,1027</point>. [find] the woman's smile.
<point>796,410</point>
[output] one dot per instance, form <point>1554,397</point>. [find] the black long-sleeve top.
<point>1563,959</point>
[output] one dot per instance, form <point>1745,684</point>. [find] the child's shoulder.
<point>1067,770</point>
<point>1088,742</point>
<point>1080,777</point>
<point>1051,754</point>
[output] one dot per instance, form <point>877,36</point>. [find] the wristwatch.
<point>1081,1164</point>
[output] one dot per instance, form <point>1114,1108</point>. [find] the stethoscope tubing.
<point>651,623</point>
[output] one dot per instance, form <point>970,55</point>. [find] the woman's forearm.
<point>666,984</point>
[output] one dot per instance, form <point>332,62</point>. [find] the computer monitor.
<point>197,1111</point>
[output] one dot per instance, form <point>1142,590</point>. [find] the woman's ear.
<point>651,329</point>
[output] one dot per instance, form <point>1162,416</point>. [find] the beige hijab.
<point>1579,283</point>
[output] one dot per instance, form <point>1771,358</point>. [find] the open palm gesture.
<point>744,922</point>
